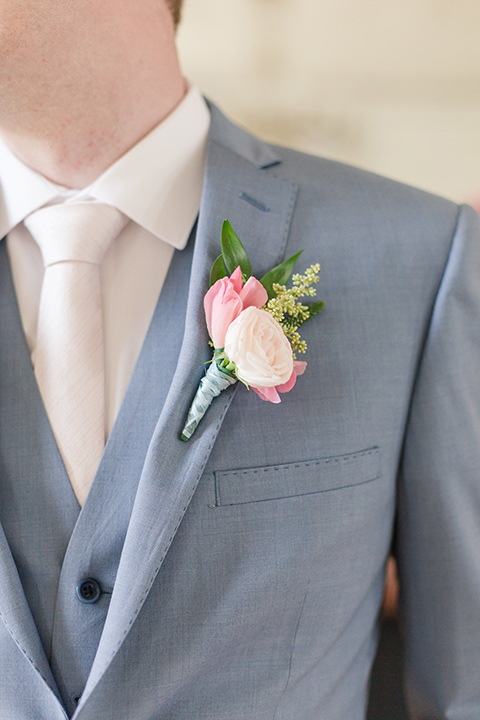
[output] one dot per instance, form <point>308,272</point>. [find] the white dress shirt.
<point>158,184</point>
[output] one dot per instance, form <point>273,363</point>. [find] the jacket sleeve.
<point>438,530</point>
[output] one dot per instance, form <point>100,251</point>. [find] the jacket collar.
<point>239,141</point>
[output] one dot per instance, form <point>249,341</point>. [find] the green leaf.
<point>218,271</point>
<point>233,251</point>
<point>279,274</point>
<point>313,309</point>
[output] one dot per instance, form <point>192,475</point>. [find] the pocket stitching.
<point>293,466</point>
<point>307,463</point>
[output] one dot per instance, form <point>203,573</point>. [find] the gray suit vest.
<point>54,543</point>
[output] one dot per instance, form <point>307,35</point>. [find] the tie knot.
<point>79,232</point>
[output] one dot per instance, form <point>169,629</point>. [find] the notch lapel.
<point>259,206</point>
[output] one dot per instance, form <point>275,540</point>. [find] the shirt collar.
<point>158,183</point>
<point>22,190</point>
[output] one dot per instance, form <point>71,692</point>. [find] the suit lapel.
<point>259,206</point>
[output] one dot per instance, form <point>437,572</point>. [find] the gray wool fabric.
<point>242,572</point>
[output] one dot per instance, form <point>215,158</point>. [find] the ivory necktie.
<point>69,354</point>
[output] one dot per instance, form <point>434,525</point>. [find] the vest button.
<point>88,590</point>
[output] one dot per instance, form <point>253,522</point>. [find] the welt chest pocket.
<point>274,482</point>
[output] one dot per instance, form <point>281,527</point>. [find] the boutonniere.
<point>253,326</point>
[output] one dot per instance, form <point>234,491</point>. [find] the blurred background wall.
<point>390,85</point>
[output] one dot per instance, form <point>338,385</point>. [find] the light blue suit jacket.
<point>249,580</point>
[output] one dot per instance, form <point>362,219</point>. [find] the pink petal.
<point>222,305</point>
<point>268,393</point>
<point>286,387</point>
<point>299,366</point>
<point>236,279</point>
<point>253,293</point>
<point>216,289</point>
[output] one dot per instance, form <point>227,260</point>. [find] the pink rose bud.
<point>225,301</point>
<point>253,294</point>
<point>222,305</point>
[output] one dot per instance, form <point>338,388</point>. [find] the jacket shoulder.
<point>368,204</point>
<point>337,179</point>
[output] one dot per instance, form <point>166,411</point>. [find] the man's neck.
<point>73,107</point>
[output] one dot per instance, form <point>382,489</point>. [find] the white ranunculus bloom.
<point>257,345</point>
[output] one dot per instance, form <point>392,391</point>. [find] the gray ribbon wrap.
<point>210,386</point>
